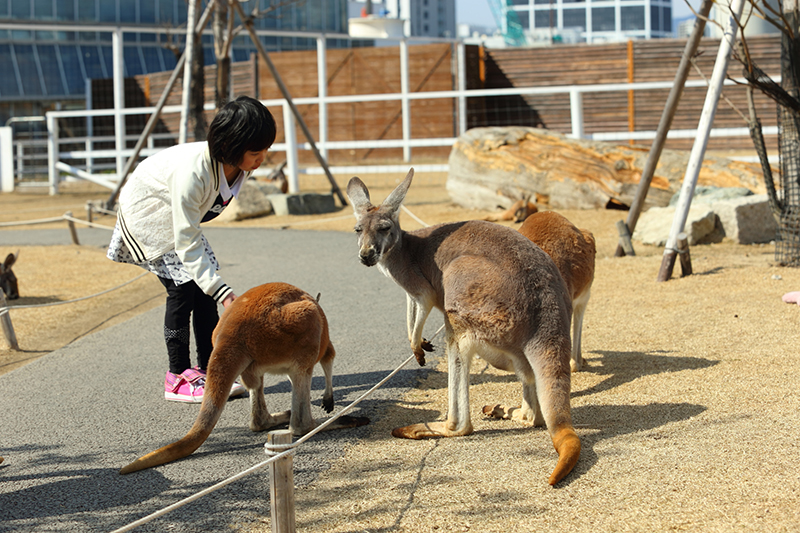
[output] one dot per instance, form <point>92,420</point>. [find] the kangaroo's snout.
<point>368,256</point>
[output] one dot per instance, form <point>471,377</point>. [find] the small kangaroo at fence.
<point>8,281</point>
<point>275,328</point>
<point>518,212</point>
<point>573,251</point>
<point>502,299</point>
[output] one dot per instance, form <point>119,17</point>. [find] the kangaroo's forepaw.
<point>420,355</point>
<point>427,345</point>
<point>576,365</point>
<point>517,414</point>
<point>430,430</point>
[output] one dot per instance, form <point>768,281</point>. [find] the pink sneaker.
<point>185,387</point>
<point>237,389</point>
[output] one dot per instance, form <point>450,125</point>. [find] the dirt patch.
<point>687,411</point>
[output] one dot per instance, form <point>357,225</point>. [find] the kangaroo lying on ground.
<point>519,211</point>
<point>275,328</point>
<point>573,251</point>
<point>502,298</point>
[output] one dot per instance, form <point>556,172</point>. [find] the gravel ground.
<point>688,409</point>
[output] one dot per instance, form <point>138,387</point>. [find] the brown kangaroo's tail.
<point>206,420</point>
<point>568,446</point>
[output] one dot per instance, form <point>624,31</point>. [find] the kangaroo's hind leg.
<point>260,417</point>
<point>458,423</point>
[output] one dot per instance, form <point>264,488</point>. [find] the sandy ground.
<point>688,410</point>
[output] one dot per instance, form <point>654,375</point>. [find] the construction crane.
<point>508,22</point>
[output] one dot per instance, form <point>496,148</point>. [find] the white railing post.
<point>281,485</point>
<point>119,99</point>
<point>404,102</point>
<point>322,88</point>
<point>6,159</point>
<point>89,128</point>
<point>290,133</point>
<point>576,113</point>
<point>462,86</point>
<point>52,152</point>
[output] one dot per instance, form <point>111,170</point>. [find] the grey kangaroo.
<point>502,299</point>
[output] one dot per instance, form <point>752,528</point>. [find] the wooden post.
<point>625,238</point>
<point>683,253</point>
<point>89,211</point>
<point>701,141</point>
<point>281,485</point>
<point>670,109</point>
<point>72,229</point>
<point>5,321</point>
<point>262,52</point>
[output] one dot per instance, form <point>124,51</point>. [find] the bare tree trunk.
<point>198,87</point>
<point>222,37</point>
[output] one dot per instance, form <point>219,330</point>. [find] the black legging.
<point>184,301</point>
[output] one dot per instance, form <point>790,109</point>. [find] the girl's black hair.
<point>244,125</point>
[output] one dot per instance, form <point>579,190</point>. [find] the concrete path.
<point>71,419</point>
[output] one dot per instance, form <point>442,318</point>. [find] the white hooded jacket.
<point>161,207</point>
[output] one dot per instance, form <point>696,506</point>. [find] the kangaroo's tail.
<point>568,446</point>
<point>206,420</point>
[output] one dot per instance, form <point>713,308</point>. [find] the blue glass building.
<point>594,21</point>
<point>49,48</point>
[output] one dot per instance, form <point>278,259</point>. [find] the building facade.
<point>50,48</point>
<point>425,18</point>
<point>592,21</point>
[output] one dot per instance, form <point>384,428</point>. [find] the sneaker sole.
<point>172,397</point>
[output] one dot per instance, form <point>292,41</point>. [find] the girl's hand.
<point>228,300</point>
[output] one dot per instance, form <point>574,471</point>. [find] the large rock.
<point>741,217</point>
<point>494,166</point>
<point>748,219</point>
<point>251,202</point>
<point>654,225</point>
<point>302,204</point>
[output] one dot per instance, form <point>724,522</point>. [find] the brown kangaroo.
<point>275,328</point>
<point>8,281</point>
<point>502,298</point>
<point>573,251</point>
<point>518,212</point>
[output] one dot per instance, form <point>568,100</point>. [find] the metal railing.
<point>87,162</point>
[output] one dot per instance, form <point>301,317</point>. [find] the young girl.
<point>160,211</point>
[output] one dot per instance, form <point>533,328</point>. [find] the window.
<point>86,11</point>
<point>575,18</point>
<point>72,69</point>
<point>545,18</point>
<point>8,83</point>
<point>50,69</point>
<point>26,61</point>
<point>21,9</point>
<point>147,11</point>
<point>632,17</point>
<point>42,9</point>
<point>603,19</point>
<point>655,18</point>
<point>108,11</point>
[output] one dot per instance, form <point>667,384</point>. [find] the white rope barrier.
<point>51,304</point>
<point>290,450</point>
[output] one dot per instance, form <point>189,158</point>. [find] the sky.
<point>477,12</point>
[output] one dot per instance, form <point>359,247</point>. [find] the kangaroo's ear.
<point>396,197</point>
<point>10,260</point>
<point>358,194</point>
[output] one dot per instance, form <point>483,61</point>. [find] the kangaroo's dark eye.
<point>358,229</point>
<point>383,228</point>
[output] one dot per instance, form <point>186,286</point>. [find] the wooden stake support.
<point>625,238</point>
<point>281,485</point>
<point>8,327</point>
<point>683,253</point>
<point>72,231</point>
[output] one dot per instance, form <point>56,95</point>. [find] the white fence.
<point>84,161</point>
